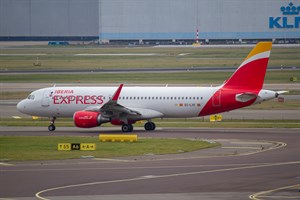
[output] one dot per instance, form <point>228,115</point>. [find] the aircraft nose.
<point>21,106</point>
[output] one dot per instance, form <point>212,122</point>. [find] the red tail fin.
<point>242,88</point>
<point>251,73</point>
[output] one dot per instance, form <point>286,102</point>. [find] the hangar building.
<point>142,20</point>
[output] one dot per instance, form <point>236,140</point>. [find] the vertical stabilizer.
<point>251,73</point>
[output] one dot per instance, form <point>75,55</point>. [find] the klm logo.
<point>289,20</point>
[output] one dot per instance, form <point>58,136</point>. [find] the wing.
<point>112,109</point>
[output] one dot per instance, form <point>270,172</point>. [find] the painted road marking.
<point>39,194</point>
<point>241,148</point>
<point>118,54</point>
<point>259,143</point>
<point>6,164</point>
<point>262,194</point>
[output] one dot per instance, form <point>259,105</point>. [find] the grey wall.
<point>147,19</point>
<point>179,19</point>
<point>49,18</point>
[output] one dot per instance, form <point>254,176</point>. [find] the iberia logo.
<point>289,20</point>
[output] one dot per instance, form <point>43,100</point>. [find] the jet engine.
<point>88,119</point>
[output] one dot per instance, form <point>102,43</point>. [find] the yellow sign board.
<point>215,118</point>
<point>64,147</point>
<point>88,146</point>
<point>76,146</point>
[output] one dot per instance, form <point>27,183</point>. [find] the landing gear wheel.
<point>149,126</point>
<point>51,127</point>
<point>127,128</point>
<point>131,127</point>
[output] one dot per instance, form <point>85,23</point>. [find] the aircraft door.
<point>47,95</point>
<point>216,101</point>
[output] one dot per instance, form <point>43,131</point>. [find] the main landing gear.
<point>149,126</point>
<point>52,127</point>
<point>127,128</point>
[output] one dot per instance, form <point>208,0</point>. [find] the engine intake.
<point>88,119</point>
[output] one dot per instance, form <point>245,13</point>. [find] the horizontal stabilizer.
<point>280,92</point>
<point>247,96</point>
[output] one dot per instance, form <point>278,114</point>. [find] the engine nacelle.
<point>88,119</point>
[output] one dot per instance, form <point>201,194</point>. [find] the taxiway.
<point>207,175</point>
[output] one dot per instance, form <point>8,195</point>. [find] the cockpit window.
<point>31,97</point>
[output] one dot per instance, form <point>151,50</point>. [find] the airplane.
<point>92,106</point>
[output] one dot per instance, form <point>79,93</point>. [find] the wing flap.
<point>147,113</point>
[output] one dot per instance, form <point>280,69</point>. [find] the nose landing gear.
<point>52,127</point>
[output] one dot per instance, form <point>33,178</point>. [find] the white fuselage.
<point>64,101</point>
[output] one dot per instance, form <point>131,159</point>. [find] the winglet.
<point>117,93</point>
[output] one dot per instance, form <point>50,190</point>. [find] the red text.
<point>78,99</point>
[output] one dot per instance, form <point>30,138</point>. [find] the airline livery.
<point>93,106</point>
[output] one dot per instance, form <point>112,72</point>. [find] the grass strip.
<point>66,58</point>
<point>27,148</point>
<point>191,77</point>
